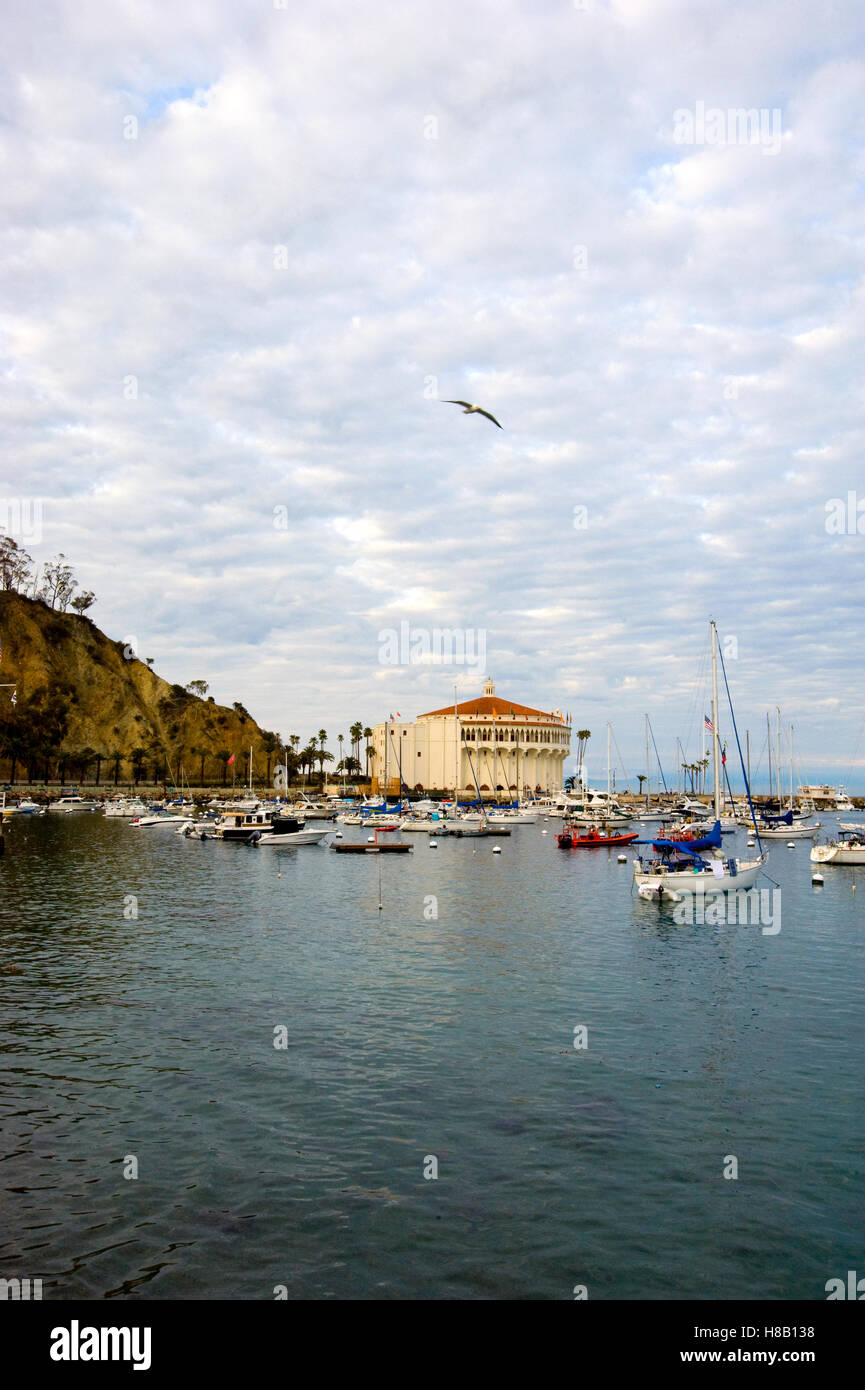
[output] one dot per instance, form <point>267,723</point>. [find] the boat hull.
<point>838,854</point>
<point>569,841</point>
<point>701,881</point>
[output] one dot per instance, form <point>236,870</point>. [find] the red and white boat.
<point>574,837</point>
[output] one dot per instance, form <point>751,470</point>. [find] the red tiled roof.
<point>486,705</point>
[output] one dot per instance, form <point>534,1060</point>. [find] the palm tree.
<point>340,738</point>
<point>223,756</point>
<point>137,757</point>
<point>355,734</point>
<point>583,736</point>
<point>367,733</point>
<point>307,756</point>
<point>322,739</point>
<point>116,757</point>
<point>641,778</point>
<point>83,761</point>
<point>270,743</point>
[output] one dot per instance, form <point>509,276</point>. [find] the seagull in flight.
<point>474,410</point>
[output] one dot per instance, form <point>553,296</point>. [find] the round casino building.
<point>510,748</point>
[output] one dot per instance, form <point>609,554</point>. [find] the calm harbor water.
<point>411,1036</point>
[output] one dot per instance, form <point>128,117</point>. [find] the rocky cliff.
<point>84,701</point>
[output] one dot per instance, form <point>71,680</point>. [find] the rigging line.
<point>474,778</point>
<point>622,761</point>
<point>699,696</point>
<point>657,755</point>
<point>739,746</point>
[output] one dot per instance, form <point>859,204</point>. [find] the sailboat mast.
<point>769,747</point>
<point>647,761</point>
<point>748,755</point>
<point>791,767</point>
<point>456,755</point>
<point>716,771</point>
<point>778,759</point>
<point>608,764</point>
<point>703,755</point>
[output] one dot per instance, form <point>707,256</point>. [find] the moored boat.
<point>680,865</point>
<point>574,837</point>
<point>848,848</point>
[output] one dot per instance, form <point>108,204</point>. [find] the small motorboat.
<point>660,894</point>
<point>574,837</point>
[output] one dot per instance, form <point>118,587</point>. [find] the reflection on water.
<point>398,1038</point>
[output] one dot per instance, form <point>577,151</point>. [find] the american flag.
<point>708,725</point>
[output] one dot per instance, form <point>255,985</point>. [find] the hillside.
<point>82,705</point>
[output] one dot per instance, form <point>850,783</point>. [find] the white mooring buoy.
<point>791,844</point>
<point>433,844</point>
<point>338,835</point>
<point>497,849</point>
<point>623,859</point>
<point>817,879</point>
<point>370,839</point>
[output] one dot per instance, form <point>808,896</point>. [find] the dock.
<point>373,849</point>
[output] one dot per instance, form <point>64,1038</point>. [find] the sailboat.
<point>679,868</point>
<point>786,825</point>
<point>599,808</point>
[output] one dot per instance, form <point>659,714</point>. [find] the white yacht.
<point>314,810</point>
<point>124,809</point>
<point>825,798</point>
<point>239,824</point>
<point>510,816</point>
<point>849,848</point>
<point>280,835</point>
<point>69,800</point>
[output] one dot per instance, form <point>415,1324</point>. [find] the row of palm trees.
<point>87,764</point>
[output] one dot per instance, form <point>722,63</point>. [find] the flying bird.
<point>474,410</point>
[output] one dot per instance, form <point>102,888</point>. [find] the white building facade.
<point>506,748</point>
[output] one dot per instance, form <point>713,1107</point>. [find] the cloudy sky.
<point>250,249</point>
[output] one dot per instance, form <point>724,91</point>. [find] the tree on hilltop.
<point>16,566</point>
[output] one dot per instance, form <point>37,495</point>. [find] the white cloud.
<point>292,248</point>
